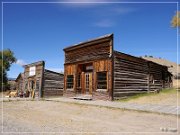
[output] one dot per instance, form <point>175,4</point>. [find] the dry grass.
<point>165,97</point>
<point>176,83</point>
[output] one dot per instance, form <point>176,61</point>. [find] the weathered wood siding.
<point>69,69</point>
<point>133,75</point>
<point>130,75</point>
<point>98,66</point>
<point>168,82</point>
<point>19,85</point>
<point>98,50</point>
<point>53,84</point>
<point>20,82</point>
<point>101,66</point>
<point>98,54</point>
<point>156,72</point>
<point>37,78</point>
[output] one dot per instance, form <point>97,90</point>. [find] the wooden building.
<point>12,83</point>
<point>19,82</point>
<point>94,68</point>
<point>40,82</point>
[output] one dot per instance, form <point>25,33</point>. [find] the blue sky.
<point>40,31</point>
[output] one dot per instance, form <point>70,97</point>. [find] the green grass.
<point>164,91</point>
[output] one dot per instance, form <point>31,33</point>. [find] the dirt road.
<point>48,116</point>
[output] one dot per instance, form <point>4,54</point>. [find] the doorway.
<point>88,83</point>
<point>32,88</point>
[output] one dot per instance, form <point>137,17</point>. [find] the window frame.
<point>67,83</point>
<point>97,81</point>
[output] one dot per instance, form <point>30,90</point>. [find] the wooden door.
<point>88,83</point>
<point>31,89</point>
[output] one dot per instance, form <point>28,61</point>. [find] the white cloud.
<point>21,62</point>
<point>111,14</point>
<point>104,23</point>
<point>122,10</point>
<point>84,3</point>
<point>114,11</point>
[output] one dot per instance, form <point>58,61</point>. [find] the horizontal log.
<point>129,73</point>
<point>130,79</point>
<point>129,58</point>
<point>130,76</point>
<point>131,87</point>
<point>116,69</point>
<point>123,94</point>
<point>136,66</point>
<point>130,82</point>
<point>132,67</point>
<point>130,62</point>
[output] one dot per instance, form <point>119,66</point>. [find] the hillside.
<point>172,66</point>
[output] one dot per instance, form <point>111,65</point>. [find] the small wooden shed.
<point>94,68</point>
<point>40,82</point>
<point>19,82</point>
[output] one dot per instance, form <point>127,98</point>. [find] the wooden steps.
<point>82,97</point>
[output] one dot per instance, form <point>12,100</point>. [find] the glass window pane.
<point>70,81</point>
<point>101,80</point>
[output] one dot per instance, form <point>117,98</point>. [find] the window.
<point>87,81</point>
<point>101,80</point>
<point>32,71</point>
<point>79,81</point>
<point>69,82</point>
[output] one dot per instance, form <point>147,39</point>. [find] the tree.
<point>175,22</point>
<point>6,60</point>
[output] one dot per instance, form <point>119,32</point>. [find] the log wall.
<point>133,75</point>
<point>53,84</point>
<point>156,72</point>
<point>130,75</point>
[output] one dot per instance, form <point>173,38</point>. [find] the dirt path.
<point>47,116</point>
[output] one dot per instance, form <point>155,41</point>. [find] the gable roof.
<point>21,75</point>
<point>35,63</point>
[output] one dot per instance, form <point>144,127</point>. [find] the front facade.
<point>40,82</point>
<point>94,68</point>
<point>88,68</point>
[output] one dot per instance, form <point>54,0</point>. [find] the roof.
<point>20,75</point>
<point>35,63</point>
<point>117,52</point>
<point>88,42</point>
<point>47,70</point>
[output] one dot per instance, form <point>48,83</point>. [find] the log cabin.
<point>95,69</point>
<point>40,82</point>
